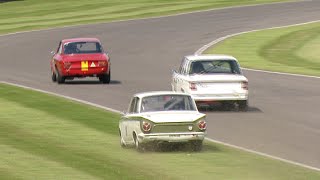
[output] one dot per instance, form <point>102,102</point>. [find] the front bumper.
<point>171,137</point>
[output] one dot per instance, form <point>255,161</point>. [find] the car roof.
<point>80,40</point>
<point>209,56</point>
<point>155,93</point>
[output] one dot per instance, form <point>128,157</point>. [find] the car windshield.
<point>214,66</point>
<point>82,48</point>
<point>167,103</point>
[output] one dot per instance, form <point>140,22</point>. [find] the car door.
<point>129,121</point>
<point>56,57</point>
<point>125,121</point>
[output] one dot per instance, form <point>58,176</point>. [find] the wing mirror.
<point>52,53</point>
<point>123,113</point>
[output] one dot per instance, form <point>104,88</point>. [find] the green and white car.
<point>162,117</point>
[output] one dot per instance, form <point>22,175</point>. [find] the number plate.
<point>174,135</point>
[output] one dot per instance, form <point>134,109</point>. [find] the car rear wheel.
<point>60,78</point>
<point>243,105</point>
<point>53,76</point>
<point>105,79</point>
<point>196,145</point>
<point>227,106</point>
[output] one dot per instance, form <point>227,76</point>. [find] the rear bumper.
<point>89,72</point>
<point>220,97</point>
<point>171,137</point>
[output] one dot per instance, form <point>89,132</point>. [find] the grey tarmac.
<point>283,119</point>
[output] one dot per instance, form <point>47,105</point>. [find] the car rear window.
<point>82,48</point>
<point>214,66</point>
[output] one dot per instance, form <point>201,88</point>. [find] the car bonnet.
<point>173,116</point>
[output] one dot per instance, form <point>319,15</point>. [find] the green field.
<point>38,14</point>
<point>291,50</point>
<point>47,137</point>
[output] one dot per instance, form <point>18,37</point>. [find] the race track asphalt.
<point>284,116</point>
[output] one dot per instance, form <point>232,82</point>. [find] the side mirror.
<point>52,53</point>
<point>123,113</point>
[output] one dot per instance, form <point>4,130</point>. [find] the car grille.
<point>173,128</point>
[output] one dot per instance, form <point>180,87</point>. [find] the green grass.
<point>291,49</point>
<point>47,137</point>
<point>38,14</point>
<point>309,51</point>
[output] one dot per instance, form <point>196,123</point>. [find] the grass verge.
<point>47,137</point>
<point>25,15</point>
<point>290,49</point>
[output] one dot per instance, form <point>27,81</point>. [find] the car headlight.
<point>146,126</point>
<point>202,125</point>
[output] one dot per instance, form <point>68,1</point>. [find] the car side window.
<point>59,50</point>
<point>187,67</point>
<point>182,65</point>
<point>135,110</point>
<point>133,105</point>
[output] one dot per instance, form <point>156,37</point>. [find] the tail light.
<point>244,85</point>
<point>67,65</point>
<point>193,86</point>
<point>202,125</point>
<point>146,126</point>
<point>102,63</point>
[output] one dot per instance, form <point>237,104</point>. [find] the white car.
<point>162,117</point>
<point>212,79</point>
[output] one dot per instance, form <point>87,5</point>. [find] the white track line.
<point>265,155</point>
<point>205,47</point>
<point>156,17</point>
<point>116,111</point>
<point>63,96</point>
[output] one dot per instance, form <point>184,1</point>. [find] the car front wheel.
<point>138,145</point>
<point>122,143</point>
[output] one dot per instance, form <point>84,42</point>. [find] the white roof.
<point>209,56</point>
<point>152,93</point>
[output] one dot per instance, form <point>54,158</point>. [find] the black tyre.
<point>227,106</point>
<point>53,76</point>
<point>60,79</point>
<point>139,147</point>
<point>122,143</point>
<point>105,79</point>
<point>243,105</point>
<point>196,145</point>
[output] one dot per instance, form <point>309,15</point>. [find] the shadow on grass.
<point>6,1</point>
<point>179,148</point>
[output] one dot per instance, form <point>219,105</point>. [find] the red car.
<point>80,57</point>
